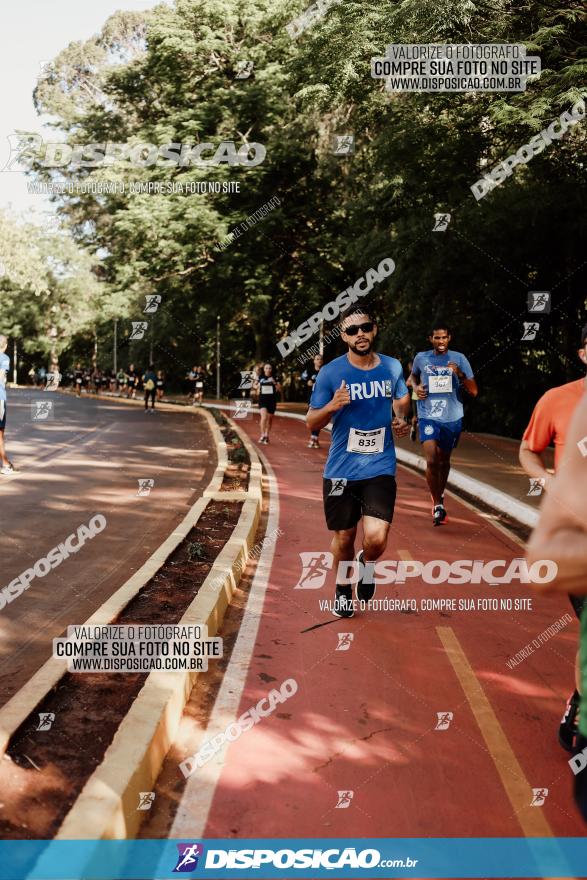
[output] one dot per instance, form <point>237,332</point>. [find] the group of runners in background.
<point>128,382</point>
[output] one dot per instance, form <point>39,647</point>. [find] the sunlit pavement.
<point>86,458</point>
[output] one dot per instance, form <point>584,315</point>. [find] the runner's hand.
<point>400,427</point>
<point>455,368</point>
<point>422,392</point>
<point>341,397</point>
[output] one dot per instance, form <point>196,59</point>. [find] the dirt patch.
<point>43,772</point>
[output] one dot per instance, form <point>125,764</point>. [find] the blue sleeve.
<point>401,389</point>
<point>466,367</point>
<point>416,368</point>
<point>322,392</point>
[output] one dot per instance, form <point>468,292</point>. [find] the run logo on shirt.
<point>366,390</point>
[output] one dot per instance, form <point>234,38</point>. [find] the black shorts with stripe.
<point>346,501</point>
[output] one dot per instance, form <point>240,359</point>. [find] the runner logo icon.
<point>441,222</point>
<point>344,800</point>
<point>344,641</point>
<point>139,328</point>
<point>315,567</point>
<point>247,379</point>
<point>337,487</point>
<point>539,795</point>
<point>530,330</point>
<point>444,719</point>
<point>41,410</point>
<point>46,720</point>
<point>153,301</point>
<point>187,861</point>
<point>242,408</point>
<point>146,799</point>
<point>536,486</point>
<point>343,144</point>
<point>437,408</point>
<point>539,301</point>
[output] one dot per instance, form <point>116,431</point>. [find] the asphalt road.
<point>86,458</point>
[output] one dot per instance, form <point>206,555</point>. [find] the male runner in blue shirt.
<point>438,377</point>
<point>360,391</point>
<point>6,467</point>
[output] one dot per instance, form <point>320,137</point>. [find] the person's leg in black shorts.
<point>266,412</point>
<point>345,503</point>
<point>149,393</point>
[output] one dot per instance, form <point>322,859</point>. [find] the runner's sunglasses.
<point>353,329</point>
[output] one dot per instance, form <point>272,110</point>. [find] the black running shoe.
<point>438,515</point>
<point>365,586</point>
<point>568,730</point>
<point>343,602</point>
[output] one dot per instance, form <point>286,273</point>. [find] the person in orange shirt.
<point>561,536</point>
<point>548,424</point>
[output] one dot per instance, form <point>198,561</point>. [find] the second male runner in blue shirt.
<point>360,392</point>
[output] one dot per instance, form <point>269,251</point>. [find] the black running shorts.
<point>269,404</point>
<point>2,414</point>
<point>346,501</point>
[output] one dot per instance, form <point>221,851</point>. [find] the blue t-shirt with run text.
<point>4,365</point>
<point>444,401</point>
<point>365,423</point>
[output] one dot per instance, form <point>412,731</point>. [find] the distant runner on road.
<point>160,384</point>
<point>438,377</point>
<point>365,395</point>
<point>131,382</point>
<point>150,387</point>
<point>267,386</point>
<point>309,377</point>
<point>6,466</point>
<point>78,379</point>
<point>197,376</point>
<point>548,424</point>
<point>120,381</point>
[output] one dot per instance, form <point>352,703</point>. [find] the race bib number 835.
<point>366,442</point>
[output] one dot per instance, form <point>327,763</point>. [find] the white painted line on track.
<point>192,814</point>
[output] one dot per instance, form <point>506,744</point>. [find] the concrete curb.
<point>108,802</point>
<point>476,489</point>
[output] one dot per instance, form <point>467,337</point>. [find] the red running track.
<point>364,719</point>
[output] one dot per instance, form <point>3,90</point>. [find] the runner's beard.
<point>362,352</point>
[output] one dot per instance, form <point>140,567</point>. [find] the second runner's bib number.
<point>366,442</point>
<point>440,383</point>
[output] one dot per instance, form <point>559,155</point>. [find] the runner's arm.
<point>415,380</point>
<point>318,418</point>
<point>465,377</point>
<point>402,407</point>
<point>561,533</point>
<point>537,437</point>
<point>533,463</point>
<point>469,385</point>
